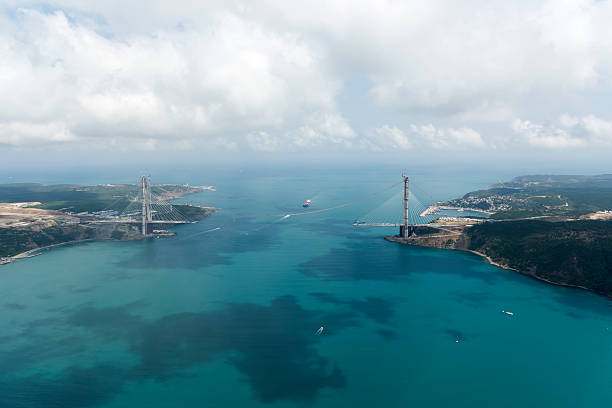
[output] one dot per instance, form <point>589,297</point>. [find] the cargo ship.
<point>306,203</point>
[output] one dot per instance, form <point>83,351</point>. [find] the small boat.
<point>306,203</point>
<point>319,331</point>
<point>508,313</point>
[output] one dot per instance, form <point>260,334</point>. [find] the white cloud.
<point>231,77</point>
<point>263,141</point>
<point>324,129</point>
<point>572,132</point>
<point>22,134</point>
<point>191,75</point>
<point>427,136</point>
<point>449,138</point>
<point>392,137</point>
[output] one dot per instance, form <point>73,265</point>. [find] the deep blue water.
<point>225,313</point>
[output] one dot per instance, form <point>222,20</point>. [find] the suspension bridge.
<point>147,210</point>
<point>415,215</point>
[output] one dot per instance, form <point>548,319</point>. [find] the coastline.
<point>34,251</point>
<point>503,266</point>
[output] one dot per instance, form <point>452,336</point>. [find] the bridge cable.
<point>362,198</point>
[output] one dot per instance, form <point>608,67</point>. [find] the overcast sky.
<point>347,78</point>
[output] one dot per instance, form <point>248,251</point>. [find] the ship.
<point>306,203</point>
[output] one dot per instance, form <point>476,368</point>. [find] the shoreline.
<point>506,267</point>
<point>30,253</point>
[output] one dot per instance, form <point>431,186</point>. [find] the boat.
<point>306,203</point>
<point>508,313</point>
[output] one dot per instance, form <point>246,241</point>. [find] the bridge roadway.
<point>387,224</point>
<point>130,221</point>
<point>456,224</point>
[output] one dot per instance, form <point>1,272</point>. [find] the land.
<point>557,229</point>
<point>36,216</point>
<point>540,196</point>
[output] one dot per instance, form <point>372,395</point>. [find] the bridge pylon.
<point>406,230</point>
<point>147,215</point>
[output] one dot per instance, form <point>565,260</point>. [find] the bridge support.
<point>406,230</point>
<point>147,216</point>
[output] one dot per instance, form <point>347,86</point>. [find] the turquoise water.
<point>225,313</point>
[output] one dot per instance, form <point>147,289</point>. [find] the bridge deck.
<point>128,221</point>
<point>386,224</point>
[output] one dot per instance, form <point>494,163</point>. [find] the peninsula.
<point>557,229</point>
<point>34,216</point>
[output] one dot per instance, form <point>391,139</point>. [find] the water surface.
<point>227,317</point>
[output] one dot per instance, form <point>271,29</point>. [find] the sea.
<point>251,308</point>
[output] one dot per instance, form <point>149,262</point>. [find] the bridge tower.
<point>146,206</point>
<point>406,230</point>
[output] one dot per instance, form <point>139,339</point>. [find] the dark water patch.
<point>45,296</point>
<point>345,264</point>
<point>77,290</point>
<point>14,306</point>
<point>382,260</point>
<point>577,302</point>
<point>114,322</point>
<point>273,346</point>
<point>326,298</point>
<point>337,227</point>
<point>474,299</point>
<point>574,315</point>
<point>195,249</point>
<point>375,308</point>
<point>122,274</point>
<point>43,322</point>
<point>72,388</point>
<point>39,345</point>
<point>39,348</point>
<point>455,334</point>
<point>387,334</point>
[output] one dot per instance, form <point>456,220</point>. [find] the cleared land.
<point>35,215</point>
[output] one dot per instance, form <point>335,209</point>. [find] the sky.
<point>503,83</point>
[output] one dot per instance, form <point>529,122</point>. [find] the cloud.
<point>392,137</point>
<point>572,132</point>
<point>158,74</point>
<point>324,129</point>
<point>426,136</point>
<point>20,134</point>
<point>264,142</point>
<point>234,76</point>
